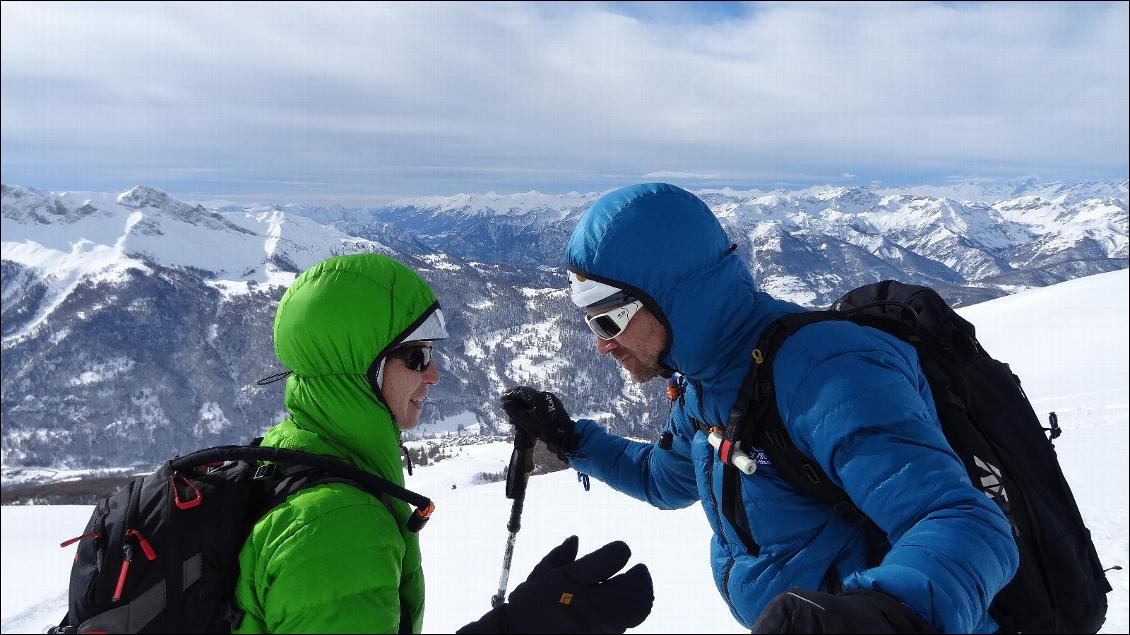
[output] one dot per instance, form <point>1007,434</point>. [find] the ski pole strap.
<point>583,479</point>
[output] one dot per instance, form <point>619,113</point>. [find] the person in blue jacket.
<point>664,292</point>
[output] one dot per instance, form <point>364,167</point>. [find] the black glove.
<point>800,611</point>
<point>565,595</point>
<point>542,416</point>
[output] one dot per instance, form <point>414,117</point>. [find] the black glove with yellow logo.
<point>567,595</point>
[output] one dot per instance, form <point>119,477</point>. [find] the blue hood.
<point>664,245</point>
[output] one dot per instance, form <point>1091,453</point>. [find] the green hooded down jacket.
<point>334,559</point>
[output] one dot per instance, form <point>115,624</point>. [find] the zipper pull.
<point>127,557</point>
<point>758,360</point>
<point>94,534</point>
<point>673,389</point>
<point>145,546</point>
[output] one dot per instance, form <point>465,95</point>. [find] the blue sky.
<point>362,103</point>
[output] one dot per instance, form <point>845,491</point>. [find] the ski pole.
<point>517,474</point>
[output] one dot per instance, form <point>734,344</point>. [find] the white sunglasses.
<point>612,322</point>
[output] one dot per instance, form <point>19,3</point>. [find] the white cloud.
<point>690,176</point>
<point>355,96</point>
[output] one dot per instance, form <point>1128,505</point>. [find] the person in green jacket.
<point>356,332</point>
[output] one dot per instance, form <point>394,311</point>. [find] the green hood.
<point>331,559</point>
<point>331,326</point>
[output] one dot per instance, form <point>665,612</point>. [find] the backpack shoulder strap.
<point>297,478</point>
<point>756,421</point>
<point>375,485</point>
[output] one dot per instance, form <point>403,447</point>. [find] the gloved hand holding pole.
<point>542,416</point>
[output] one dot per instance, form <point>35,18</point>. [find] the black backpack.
<point>1060,586</point>
<point>161,554</point>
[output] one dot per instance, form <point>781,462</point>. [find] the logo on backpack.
<point>991,483</point>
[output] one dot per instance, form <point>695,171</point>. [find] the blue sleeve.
<point>664,478</point>
<point>868,418</point>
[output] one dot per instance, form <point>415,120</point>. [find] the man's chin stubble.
<point>637,375</point>
<point>642,376</point>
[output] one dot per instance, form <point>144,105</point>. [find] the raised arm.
<point>664,478</point>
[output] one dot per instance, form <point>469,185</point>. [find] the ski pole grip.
<point>521,464</point>
<point>515,516</point>
<point>522,438</point>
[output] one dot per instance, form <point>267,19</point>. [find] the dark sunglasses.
<point>417,358</point>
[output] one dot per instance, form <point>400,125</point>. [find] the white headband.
<point>586,292</point>
<point>432,328</point>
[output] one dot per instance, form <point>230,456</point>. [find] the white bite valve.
<point>738,458</point>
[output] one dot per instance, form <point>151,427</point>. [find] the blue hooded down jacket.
<point>853,398</point>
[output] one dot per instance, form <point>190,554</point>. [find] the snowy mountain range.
<point>1084,321</point>
<point>812,245</point>
<point>135,325</point>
